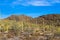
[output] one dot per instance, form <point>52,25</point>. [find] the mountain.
<point>20,18</point>
<point>51,19</point>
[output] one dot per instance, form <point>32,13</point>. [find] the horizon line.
<point>27,15</point>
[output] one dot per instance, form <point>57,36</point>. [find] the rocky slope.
<point>51,19</point>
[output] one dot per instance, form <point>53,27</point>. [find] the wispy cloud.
<point>56,1</point>
<point>39,3</point>
<point>32,2</point>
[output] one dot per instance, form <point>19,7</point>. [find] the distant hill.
<point>20,18</point>
<point>51,19</point>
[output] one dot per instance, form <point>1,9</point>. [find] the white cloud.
<point>31,2</point>
<point>40,3</point>
<point>57,1</point>
<point>35,2</point>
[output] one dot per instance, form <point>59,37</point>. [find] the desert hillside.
<point>52,19</point>
<point>22,27</point>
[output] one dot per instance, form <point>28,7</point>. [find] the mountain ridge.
<point>45,19</point>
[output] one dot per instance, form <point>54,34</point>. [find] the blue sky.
<point>31,8</point>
